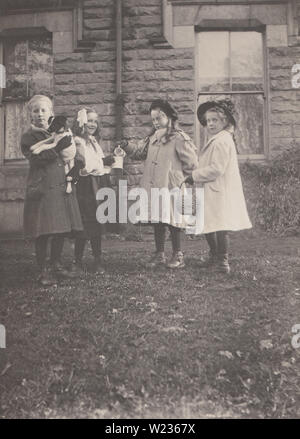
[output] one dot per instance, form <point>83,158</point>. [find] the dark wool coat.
<point>48,209</point>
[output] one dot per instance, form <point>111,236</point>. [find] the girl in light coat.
<point>224,202</point>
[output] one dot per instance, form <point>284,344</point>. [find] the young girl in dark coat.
<point>49,211</point>
<point>93,173</point>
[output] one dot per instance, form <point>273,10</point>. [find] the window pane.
<point>29,68</point>
<point>40,65</point>
<point>15,61</point>
<point>246,61</point>
<point>15,56</point>
<point>213,61</point>
<point>249,133</point>
<point>16,122</point>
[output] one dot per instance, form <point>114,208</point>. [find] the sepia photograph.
<point>150,212</point>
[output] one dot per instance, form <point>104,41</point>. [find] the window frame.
<point>231,27</point>
<point>26,34</point>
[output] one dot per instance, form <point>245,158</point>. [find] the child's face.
<point>159,119</point>
<point>40,113</point>
<point>92,123</point>
<point>214,122</point>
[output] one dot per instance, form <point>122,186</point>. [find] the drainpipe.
<point>119,96</point>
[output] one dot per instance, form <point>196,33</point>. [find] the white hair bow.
<point>82,117</point>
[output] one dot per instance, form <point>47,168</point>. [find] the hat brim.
<point>203,108</point>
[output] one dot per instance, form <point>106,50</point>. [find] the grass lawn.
<point>135,343</point>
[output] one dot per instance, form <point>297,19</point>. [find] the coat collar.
<point>214,137</point>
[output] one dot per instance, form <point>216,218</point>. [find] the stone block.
<point>73,67</point>
<point>281,84</point>
<point>99,56</point>
<point>106,35</point>
<point>96,3</point>
<point>142,10</point>
<point>277,36</point>
<point>280,73</point>
<point>105,66</point>
<point>65,100</point>
<point>296,130</point>
<point>132,66</point>
<point>107,122</point>
<point>221,12</point>
<point>98,23</point>
<point>185,15</point>
<point>65,79</point>
<point>62,42</point>
<point>104,12</point>
<point>142,21</point>
<point>148,32</point>
<point>137,43</point>
<point>182,75</point>
<point>100,77</point>
<point>17,21</point>
<point>281,130</point>
<point>270,14</point>
<point>183,36</point>
<point>137,3</point>
<point>175,86</point>
<point>176,64</point>
<point>55,21</point>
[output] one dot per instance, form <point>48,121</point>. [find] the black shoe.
<point>77,268</point>
<point>177,261</point>
<point>59,271</point>
<point>97,267</point>
<point>46,279</point>
<point>210,261</point>
<point>158,260</point>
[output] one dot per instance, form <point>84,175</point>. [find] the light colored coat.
<point>167,163</point>
<point>224,201</point>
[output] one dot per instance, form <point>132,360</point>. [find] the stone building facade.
<point>117,55</point>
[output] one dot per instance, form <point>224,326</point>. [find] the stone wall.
<point>284,100</point>
<point>149,70</point>
<point>88,79</point>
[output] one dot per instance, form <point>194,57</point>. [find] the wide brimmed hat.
<point>165,107</point>
<point>225,104</point>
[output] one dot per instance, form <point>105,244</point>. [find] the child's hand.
<point>123,144</point>
<point>42,146</point>
<point>189,180</point>
<point>109,160</point>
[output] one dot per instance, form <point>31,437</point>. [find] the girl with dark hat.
<point>169,156</point>
<point>224,202</point>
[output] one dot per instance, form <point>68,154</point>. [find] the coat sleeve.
<point>187,153</point>
<point>217,167</point>
<point>36,160</point>
<point>139,150</point>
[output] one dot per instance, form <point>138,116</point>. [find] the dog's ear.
<point>50,120</point>
<point>57,124</point>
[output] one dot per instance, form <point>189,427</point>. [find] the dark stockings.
<point>160,236</point>
<point>218,242</point>
<point>41,242</point>
<point>80,246</point>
